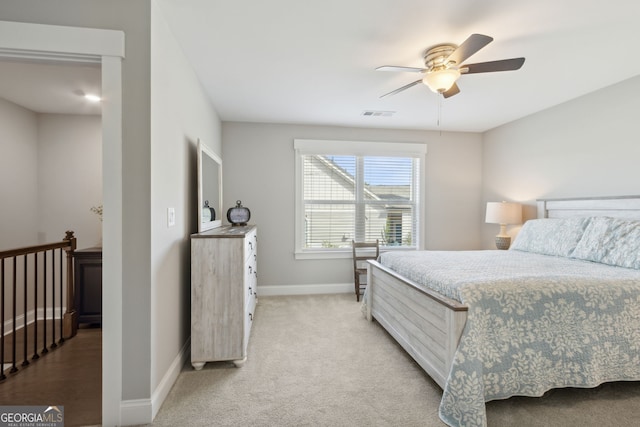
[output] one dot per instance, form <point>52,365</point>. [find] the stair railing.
<point>30,306</point>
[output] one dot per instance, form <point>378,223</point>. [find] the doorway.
<point>57,43</point>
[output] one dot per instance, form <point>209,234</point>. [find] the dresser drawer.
<point>251,245</point>
<point>250,279</point>
<point>251,264</point>
<point>248,319</point>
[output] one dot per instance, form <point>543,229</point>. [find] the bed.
<point>561,308</point>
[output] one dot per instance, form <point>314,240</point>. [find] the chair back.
<point>363,251</point>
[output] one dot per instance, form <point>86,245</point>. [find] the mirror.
<point>209,189</point>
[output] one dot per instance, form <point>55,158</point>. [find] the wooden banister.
<point>65,244</point>
<point>32,280</point>
<point>70,321</point>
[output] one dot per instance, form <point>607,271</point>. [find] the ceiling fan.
<point>443,65</point>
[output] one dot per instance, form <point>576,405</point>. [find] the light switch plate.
<point>171,217</point>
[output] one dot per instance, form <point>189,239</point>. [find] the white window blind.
<point>357,196</point>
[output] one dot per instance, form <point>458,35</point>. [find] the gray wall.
<point>180,115</point>
<point>69,177</point>
<point>50,177</point>
<point>18,176</point>
<point>585,147</point>
<point>158,172</point>
<point>258,164</point>
<point>134,18</point>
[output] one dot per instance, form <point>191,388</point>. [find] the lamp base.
<point>503,242</point>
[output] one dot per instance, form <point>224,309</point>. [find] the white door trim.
<point>59,43</point>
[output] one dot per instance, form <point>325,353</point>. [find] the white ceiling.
<point>50,87</point>
<point>313,62</point>
<point>305,61</point>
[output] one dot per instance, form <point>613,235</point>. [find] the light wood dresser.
<point>223,293</point>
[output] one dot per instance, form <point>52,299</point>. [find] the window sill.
<point>341,253</point>
<point>323,254</point>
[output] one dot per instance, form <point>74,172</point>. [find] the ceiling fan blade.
<point>489,67</point>
<point>400,89</point>
<point>471,45</point>
<point>453,90</point>
<point>406,69</point>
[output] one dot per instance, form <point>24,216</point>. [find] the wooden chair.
<point>362,251</point>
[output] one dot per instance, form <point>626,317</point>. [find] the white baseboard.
<point>8,324</point>
<point>135,412</point>
<point>143,411</point>
<point>332,288</point>
<point>163,389</point>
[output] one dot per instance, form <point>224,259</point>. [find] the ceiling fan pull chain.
<point>440,111</point>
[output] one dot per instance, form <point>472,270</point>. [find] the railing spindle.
<point>25,362</point>
<point>53,299</point>
<point>67,320</point>
<point>61,300</point>
<point>13,335</point>
<point>35,310</point>
<point>2,375</point>
<point>45,350</point>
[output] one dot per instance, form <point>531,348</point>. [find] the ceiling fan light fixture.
<point>440,81</point>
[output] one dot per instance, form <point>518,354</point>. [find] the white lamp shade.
<point>441,81</point>
<point>504,213</point>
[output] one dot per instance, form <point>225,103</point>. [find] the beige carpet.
<point>315,361</point>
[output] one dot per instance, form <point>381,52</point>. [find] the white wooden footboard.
<point>426,324</point>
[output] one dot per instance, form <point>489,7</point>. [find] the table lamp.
<point>503,213</point>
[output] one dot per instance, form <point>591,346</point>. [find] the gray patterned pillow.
<point>550,236</point>
<point>611,241</point>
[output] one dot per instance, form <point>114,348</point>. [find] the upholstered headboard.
<point>626,207</point>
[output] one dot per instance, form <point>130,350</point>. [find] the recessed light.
<point>91,97</point>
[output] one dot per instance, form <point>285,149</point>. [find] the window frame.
<point>353,148</point>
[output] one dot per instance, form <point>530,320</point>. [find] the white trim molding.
<point>39,41</point>
<point>92,45</point>
<point>143,411</point>
<point>164,387</point>
<point>49,313</point>
<point>136,412</point>
<point>360,148</point>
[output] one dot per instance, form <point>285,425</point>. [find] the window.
<point>359,191</point>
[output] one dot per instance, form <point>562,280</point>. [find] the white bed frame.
<point>427,324</point>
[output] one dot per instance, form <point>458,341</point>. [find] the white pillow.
<point>550,236</point>
<point>611,241</point>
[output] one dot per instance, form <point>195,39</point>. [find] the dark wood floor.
<point>69,376</point>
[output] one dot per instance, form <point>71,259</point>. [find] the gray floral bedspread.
<point>535,322</point>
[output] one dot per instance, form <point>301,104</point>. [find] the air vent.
<point>374,113</point>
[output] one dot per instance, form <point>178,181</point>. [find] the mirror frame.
<point>203,150</point>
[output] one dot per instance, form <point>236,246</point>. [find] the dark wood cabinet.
<point>88,285</point>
